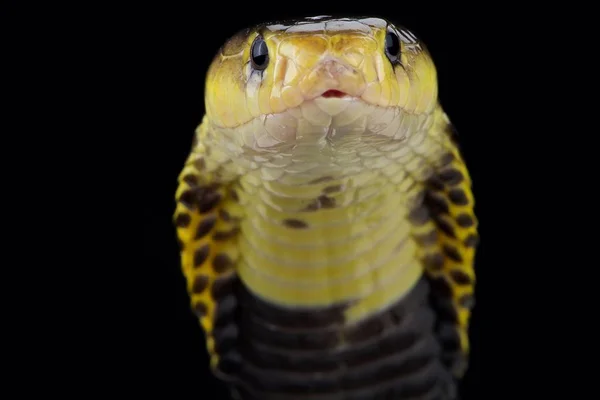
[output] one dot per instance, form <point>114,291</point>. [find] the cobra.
<point>325,216</point>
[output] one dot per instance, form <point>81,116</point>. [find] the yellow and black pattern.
<point>449,250</point>
<point>207,222</point>
<point>325,217</point>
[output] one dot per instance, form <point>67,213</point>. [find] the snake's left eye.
<point>392,46</point>
<point>259,54</point>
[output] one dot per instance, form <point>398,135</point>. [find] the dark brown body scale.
<point>283,354</point>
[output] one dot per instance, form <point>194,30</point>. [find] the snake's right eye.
<point>259,54</point>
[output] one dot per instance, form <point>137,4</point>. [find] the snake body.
<point>325,216</point>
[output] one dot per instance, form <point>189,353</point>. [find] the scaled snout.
<point>334,78</point>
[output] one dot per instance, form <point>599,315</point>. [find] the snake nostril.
<point>333,93</point>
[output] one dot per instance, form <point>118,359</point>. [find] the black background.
<point>172,48</point>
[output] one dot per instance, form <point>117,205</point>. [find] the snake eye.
<point>259,54</point>
<point>392,46</point>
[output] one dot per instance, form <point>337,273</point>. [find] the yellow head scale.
<point>334,64</point>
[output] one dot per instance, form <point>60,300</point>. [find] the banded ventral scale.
<point>325,217</point>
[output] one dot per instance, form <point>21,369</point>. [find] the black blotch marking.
<point>465,220</point>
<point>200,255</point>
<point>333,189</point>
<point>472,240</point>
<point>295,223</point>
<point>207,198</point>
<point>180,244</point>
<point>200,284</point>
<point>451,176</point>
<point>205,226</point>
<point>444,225</point>
<point>183,220</point>
<point>187,198</point>
<point>321,202</point>
<point>225,235</point>
<point>204,197</point>
<point>458,197</point>
<point>433,262</point>
<point>191,180</point>
<point>460,277</point>
<point>200,309</point>
<point>436,203</point>
<point>434,183</point>
<point>326,202</point>
<point>222,263</point>
<point>446,159</point>
<point>452,253</point>
<point>419,216</point>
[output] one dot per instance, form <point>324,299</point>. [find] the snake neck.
<point>323,226</point>
<point>304,144</point>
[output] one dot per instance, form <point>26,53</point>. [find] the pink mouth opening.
<point>333,93</point>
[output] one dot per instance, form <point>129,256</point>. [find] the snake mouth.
<point>333,93</point>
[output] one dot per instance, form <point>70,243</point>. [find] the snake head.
<point>324,72</point>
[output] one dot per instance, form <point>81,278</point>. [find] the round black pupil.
<point>392,44</point>
<point>260,52</point>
